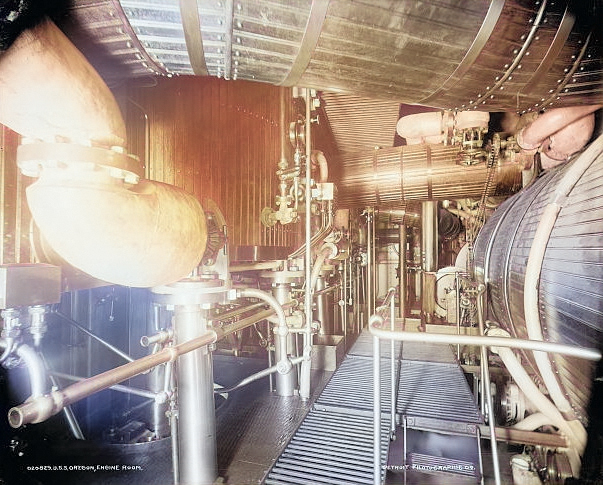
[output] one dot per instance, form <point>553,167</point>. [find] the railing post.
<point>376,412</point>
<point>392,319</point>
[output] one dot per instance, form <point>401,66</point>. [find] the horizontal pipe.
<point>439,338</point>
<point>116,387</point>
<point>512,435</point>
<point>258,375</point>
<point>237,311</point>
<point>42,407</point>
<point>239,325</point>
<point>263,265</point>
<point>324,291</point>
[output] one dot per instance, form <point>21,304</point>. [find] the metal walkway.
<point>436,414</point>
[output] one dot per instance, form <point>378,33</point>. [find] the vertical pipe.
<point>457,289</point>
<point>392,321</point>
<point>479,453</point>
<point>429,250</point>
<point>197,452</point>
<point>429,239</point>
<point>376,412</point>
<point>156,383</point>
<point>72,421</point>
<point>174,433</point>
<point>326,326</point>
<point>402,264</point>
<point>345,294</point>
<point>404,450</point>
<point>486,387</point>
<point>286,383</point>
<point>271,376</point>
<point>369,263</point>
<point>304,387</point>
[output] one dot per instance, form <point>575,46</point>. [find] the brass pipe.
<point>41,408</point>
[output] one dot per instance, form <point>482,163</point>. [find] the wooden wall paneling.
<point>222,140</point>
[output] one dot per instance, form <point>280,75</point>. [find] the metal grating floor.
<point>351,387</point>
<point>436,391</point>
<point>334,443</point>
<point>428,352</point>
<point>363,347</point>
<point>329,448</point>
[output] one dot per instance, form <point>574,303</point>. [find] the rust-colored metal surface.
<point>219,140</point>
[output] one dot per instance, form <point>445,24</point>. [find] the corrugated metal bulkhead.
<point>495,55</point>
<point>571,282</point>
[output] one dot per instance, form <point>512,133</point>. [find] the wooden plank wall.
<point>216,139</point>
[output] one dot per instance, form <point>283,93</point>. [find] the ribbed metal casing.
<point>495,54</point>
<point>418,172</point>
<point>571,281</point>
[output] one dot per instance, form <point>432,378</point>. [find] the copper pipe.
<point>41,408</point>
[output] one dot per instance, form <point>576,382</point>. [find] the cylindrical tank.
<point>418,172</point>
<point>571,281</point>
<point>458,54</point>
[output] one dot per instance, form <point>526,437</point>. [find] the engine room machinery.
<point>301,242</point>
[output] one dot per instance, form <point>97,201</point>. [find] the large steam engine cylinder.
<point>570,287</point>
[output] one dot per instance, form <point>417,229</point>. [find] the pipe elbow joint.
<point>284,366</point>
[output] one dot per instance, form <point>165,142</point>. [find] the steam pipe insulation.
<point>83,202</point>
<point>319,161</point>
<point>71,104</point>
<point>434,127</point>
<point>328,250</point>
<point>139,236</point>
<point>533,421</point>
<point>559,132</point>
